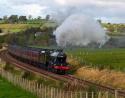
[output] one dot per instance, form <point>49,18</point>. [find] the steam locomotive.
<point>53,60</point>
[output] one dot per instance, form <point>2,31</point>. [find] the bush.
<point>28,75</point>
<point>0,46</point>
<point>0,30</point>
<point>8,67</point>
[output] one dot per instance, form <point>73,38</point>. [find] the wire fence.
<point>43,91</point>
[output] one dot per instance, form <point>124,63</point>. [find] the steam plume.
<point>80,30</point>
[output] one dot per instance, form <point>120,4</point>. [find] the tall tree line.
<point>18,19</point>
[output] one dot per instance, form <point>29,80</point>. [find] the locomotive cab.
<point>58,62</point>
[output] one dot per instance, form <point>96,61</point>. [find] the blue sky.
<point>107,10</point>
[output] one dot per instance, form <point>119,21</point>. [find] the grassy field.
<point>7,90</point>
<point>22,26</point>
<point>101,58</point>
<point>16,27</point>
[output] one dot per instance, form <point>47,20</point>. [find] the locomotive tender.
<point>49,59</point>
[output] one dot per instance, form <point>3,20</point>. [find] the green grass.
<point>22,26</point>
<point>7,90</point>
<point>101,58</point>
<point>15,30</point>
<point>16,27</point>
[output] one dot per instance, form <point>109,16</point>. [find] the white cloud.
<point>94,2</point>
<point>73,2</point>
<point>95,8</point>
<point>31,9</point>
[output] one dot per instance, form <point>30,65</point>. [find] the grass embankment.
<point>100,58</point>
<point>101,66</point>
<point>104,77</point>
<point>7,90</point>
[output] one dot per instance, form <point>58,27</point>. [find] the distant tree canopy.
<point>5,17</point>
<point>22,18</point>
<point>30,17</point>
<point>47,17</point>
<point>39,17</point>
<point>13,19</point>
<point>100,21</point>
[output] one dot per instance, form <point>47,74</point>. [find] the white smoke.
<point>80,30</point>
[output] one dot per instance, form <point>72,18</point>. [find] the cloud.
<point>30,9</point>
<point>110,9</point>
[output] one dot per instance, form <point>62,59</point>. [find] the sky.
<point>106,10</point>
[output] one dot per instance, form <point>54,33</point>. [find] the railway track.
<point>102,87</point>
<point>5,56</point>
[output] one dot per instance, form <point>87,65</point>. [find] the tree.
<point>30,17</point>
<point>47,17</point>
<point>22,18</point>
<point>5,17</point>
<point>100,21</point>
<point>13,19</point>
<point>39,17</point>
<point>111,28</point>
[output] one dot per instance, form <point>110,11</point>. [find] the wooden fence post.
<point>51,92</point>
<point>32,86</point>
<point>21,82</point>
<point>116,94</point>
<point>27,86</point>
<point>92,94</point>
<point>40,91</point>
<point>67,94</point>
<point>28,82</point>
<point>45,91</point>
<point>106,95</point>
<point>37,89</point>
<point>99,95</point>
<point>81,95</point>
<point>86,94</point>
<point>71,95</point>
<point>57,93</point>
<point>24,86</point>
